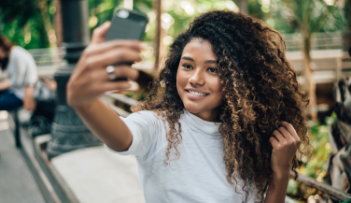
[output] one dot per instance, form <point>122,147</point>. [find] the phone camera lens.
<point>123,14</point>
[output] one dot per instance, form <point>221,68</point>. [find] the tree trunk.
<point>158,45</point>
<point>242,4</point>
<point>346,36</point>
<point>47,24</point>
<point>58,23</point>
<point>309,84</point>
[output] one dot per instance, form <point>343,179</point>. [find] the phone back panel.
<point>132,27</point>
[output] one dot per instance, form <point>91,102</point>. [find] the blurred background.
<point>317,35</point>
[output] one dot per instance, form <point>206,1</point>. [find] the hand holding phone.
<point>126,25</point>
<point>90,80</point>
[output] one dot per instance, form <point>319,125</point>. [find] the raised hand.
<point>285,143</point>
<point>91,79</point>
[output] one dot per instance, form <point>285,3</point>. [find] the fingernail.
<point>107,23</point>
<point>143,46</point>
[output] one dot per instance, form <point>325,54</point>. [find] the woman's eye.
<point>187,66</point>
<point>212,70</point>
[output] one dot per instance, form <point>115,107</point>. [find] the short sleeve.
<point>144,128</point>
<point>31,74</point>
<point>16,71</point>
<point>22,69</point>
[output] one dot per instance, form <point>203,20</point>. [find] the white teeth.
<point>196,93</point>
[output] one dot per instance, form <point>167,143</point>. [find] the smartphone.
<point>126,24</point>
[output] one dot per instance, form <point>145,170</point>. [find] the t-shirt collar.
<point>198,124</point>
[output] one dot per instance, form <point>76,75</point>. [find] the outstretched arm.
<point>90,80</point>
<point>285,143</point>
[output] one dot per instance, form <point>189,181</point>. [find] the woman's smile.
<point>195,94</point>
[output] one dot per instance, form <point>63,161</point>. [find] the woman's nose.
<point>197,78</point>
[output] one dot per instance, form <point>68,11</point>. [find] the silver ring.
<point>111,72</point>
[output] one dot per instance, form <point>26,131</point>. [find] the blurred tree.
<point>58,22</point>
<point>28,23</point>
<point>310,16</point>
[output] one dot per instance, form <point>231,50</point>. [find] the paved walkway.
<point>17,184</point>
<point>97,175</point>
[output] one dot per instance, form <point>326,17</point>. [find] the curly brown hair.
<point>259,89</point>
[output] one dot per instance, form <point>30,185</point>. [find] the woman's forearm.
<point>106,124</point>
<point>5,84</point>
<point>29,102</point>
<point>277,188</point>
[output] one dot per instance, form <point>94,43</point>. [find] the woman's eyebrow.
<point>191,59</point>
<point>211,61</point>
<point>188,58</point>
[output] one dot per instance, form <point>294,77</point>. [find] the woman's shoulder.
<point>19,53</point>
<point>147,114</point>
<point>148,119</point>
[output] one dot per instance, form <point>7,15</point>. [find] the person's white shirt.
<point>197,175</point>
<point>21,70</point>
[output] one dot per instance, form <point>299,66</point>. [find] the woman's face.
<point>198,82</point>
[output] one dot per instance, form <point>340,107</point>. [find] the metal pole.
<point>68,131</point>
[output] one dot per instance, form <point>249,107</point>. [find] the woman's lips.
<point>195,95</point>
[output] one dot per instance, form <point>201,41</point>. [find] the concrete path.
<point>17,184</point>
<point>97,175</point>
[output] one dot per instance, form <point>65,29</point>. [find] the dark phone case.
<point>132,27</point>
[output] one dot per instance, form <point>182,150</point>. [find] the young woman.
<point>224,119</point>
<point>17,89</point>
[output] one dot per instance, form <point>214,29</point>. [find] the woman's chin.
<point>192,108</point>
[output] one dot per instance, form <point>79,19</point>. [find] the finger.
<point>287,136</point>
<point>101,75</point>
<point>126,72</point>
<point>278,136</point>
<point>284,132</point>
<point>274,143</point>
<point>114,44</point>
<point>123,71</point>
<point>109,86</point>
<point>291,130</point>
<point>100,32</point>
<point>113,57</point>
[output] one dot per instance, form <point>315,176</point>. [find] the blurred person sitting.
<point>18,87</point>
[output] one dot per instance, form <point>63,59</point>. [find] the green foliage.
<point>22,20</point>
<point>315,166</point>
<point>313,15</point>
<point>22,23</point>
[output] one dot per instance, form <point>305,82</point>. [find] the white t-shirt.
<point>21,70</point>
<point>197,176</point>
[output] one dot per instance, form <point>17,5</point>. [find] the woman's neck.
<point>208,115</point>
